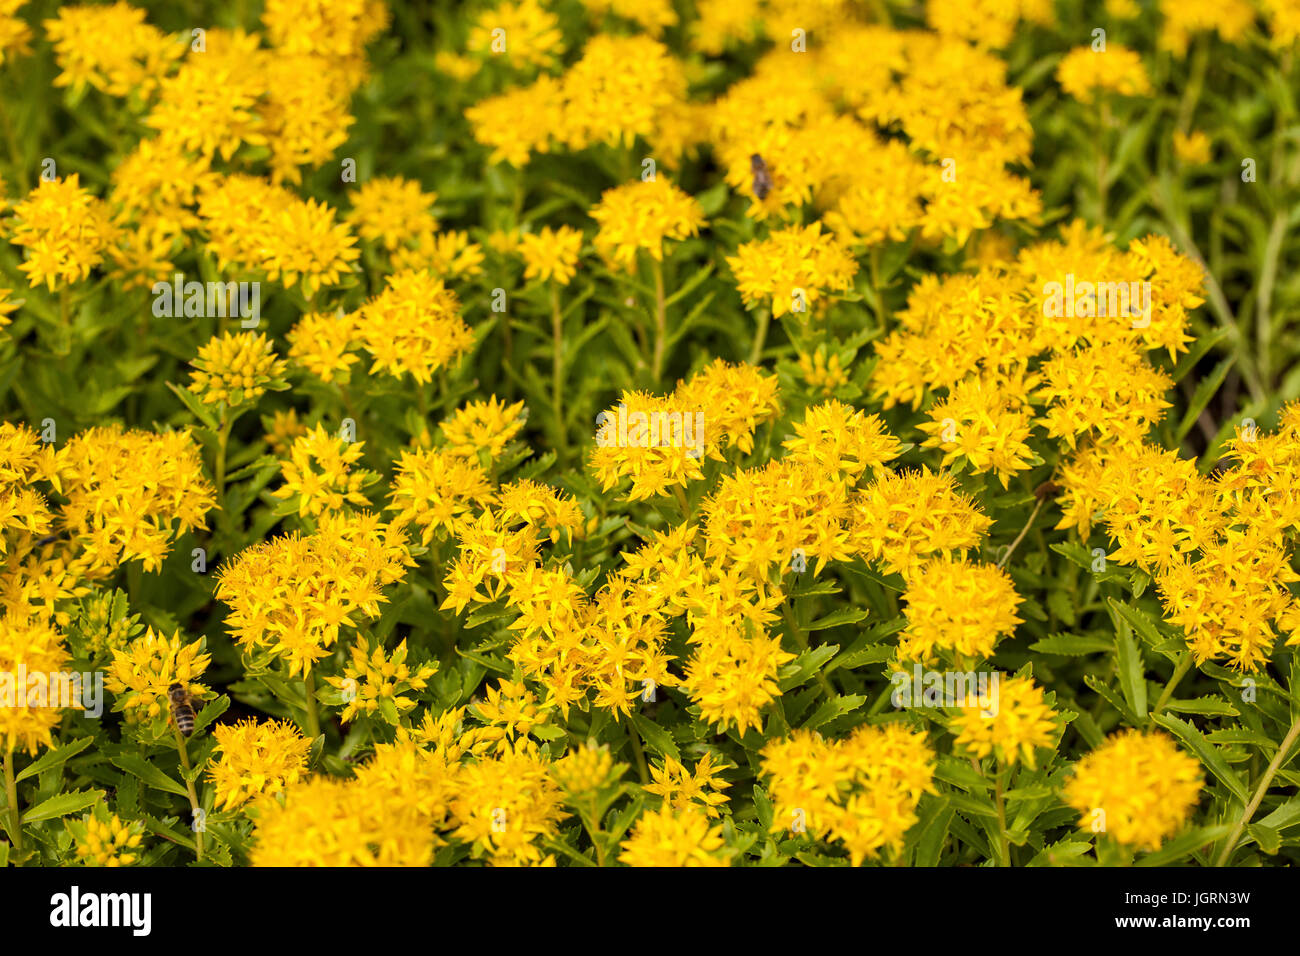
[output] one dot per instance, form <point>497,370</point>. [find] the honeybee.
<point>762,176</point>
<point>182,707</point>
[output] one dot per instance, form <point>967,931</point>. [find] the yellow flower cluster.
<point>861,791</point>
<point>257,757</point>
<point>1136,788</point>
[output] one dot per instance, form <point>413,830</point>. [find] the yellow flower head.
<point>434,488</point>
<point>27,714</point>
<point>482,428</point>
<point>104,839</point>
<point>336,576</point>
<point>1137,787</point>
<point>142,672</point>
<point>1085,71</point>
<point>373,681</point>
<point>64,230</point>
<point>842,440</point>
<point>1011,723</point>
<point>321,473</point>
<point>958,606</point>
<point>683,789</point>
<point>391,210</point>
<point>551,254</point>
<point>673,838</point>
<point>792,270</point>
<point>236,368</point>
<point>586,770</point>
<point>903,518</point>
<point>640,216</point>
<point>414,327</point>
<point>111,48</point>
<point>256,757</point>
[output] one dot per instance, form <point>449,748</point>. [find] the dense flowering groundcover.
<point>670,432</point>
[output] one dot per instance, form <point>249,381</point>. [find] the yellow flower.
<point>792,270</point>
<point>434,488</point>
<point>35,648</point>
<point>482,427</point>
<point>984,425</point>
<point>862,791</point>
<point>617,90</point>
<point>414,327</point>
<point>291,597</point>
<point>104,839</point>
<point>374,681</point>
<point>586,770</point>
<point>326,345</point>
<point>1192,148</point>
<point>110,47</point>
<point>667,837</point>
<point>520,121</point>
<point>957,606</point>
<point>1084,71</point>
<point>683,789</point>
<point>235,369</point>
<point>522,32</point>
<point>902,519</point>
<point>392,209</point>
<point>256,757</point>
<point>1180,19</point>
<point>551,254</point>
<point>64,229</point>
<point>130,493</point>
<point>321,474</point>
<point>640,216</point>
<point>1011,724</point>
<point>142,672</point>
<point>1137,788</point>
<point>843,441</point>
<point>503,804</point>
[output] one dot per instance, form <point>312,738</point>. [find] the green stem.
<point>189,787</point>
<point>661,319</point>
<point>1180,669</point>
<point>882,310</point>
<point>760,336</point>
<point>1004,845</point>
<point>1274,766</point>
<point>313,718</point>
<point>557,369</point>
<point>11,792</point>
<point>1020,537</point>
<point>641,768</point>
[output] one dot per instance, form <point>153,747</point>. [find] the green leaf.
<point>1182,846</point>
<point>54,758</point>
<point>848,615</point>
<point>1206,390</point>
<point>1072,645</point>
<point>658,739</point>
<point>933,832</point>
<point>837,706</point>
<point>1131,673</point>
<point>137,766</point>
<point>806,665</point>
<point>60,805</point>
<point>1206,752</point>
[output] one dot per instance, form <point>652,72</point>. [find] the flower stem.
<point>1004,845</point>
<point>1180,670</point>
<point>760,336</point>
<point>11,792</point>
<point>313,718</point>
<point>1274,766</point>
<point>557,369</point>
<point>661,319</point>
<point>189,787</point>
<point>642,770</point>
<point>1020,537</point>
